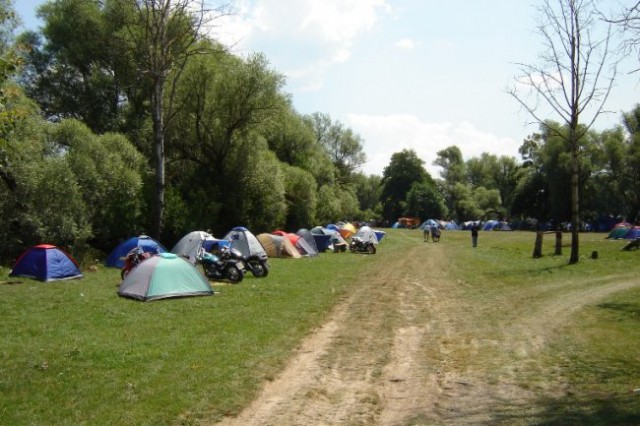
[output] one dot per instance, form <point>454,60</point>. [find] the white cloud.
<point>406,44</point>
<point>319,34</point>
<point>311,76</point>
<point>235,28</point>
<point>340,20</point>
<point>336,22</point>
<point>385,135</point>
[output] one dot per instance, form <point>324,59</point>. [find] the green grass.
<point>597,353</point>
<point>75,353</point>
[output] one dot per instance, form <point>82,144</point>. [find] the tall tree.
<point>342,145</point>
<point>218,143</point>
<point>630,176</point>
<point>164,34</point>
<point>453,172</point>
<point>71,67</point>
<point>404,170</point>
<point>574,78</point>
<point>424,201</point>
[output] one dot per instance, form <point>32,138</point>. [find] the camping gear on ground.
<point>164,275</point>
<point>223,265</point>
<point>278,246</point>
<point>46,262</point>
<point>253,253</point>
<point>133,259</point>
<point>338,244</point>
<point>146,243</point>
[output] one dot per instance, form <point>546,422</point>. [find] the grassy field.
<point>596,350</point>
<point>75,353</point>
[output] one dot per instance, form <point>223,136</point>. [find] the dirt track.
<point>404,350</point>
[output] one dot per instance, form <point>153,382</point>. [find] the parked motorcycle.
<point>258,266</point>
<point>358,245</point>
<point>135,257</point>
<point>224,266</point>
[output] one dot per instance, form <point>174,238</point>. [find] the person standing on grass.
<point>435,233</point>
<point>425,233</point>
<point>474,234</point>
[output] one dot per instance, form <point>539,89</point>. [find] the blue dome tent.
<point>145,243</point>
<point>46,262</point>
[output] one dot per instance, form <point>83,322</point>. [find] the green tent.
<point>163,276</point>
<point>618,232</point>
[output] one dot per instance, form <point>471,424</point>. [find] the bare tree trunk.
<point>558,251</point>
<point>575,217</point>
<point>158,140</point>
<point>537,248</point>
<point>568,81</point>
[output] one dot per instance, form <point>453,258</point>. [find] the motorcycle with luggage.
<point>225,265</point>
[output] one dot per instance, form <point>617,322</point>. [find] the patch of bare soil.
<point>404,349</point>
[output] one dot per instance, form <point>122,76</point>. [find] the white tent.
<point>189,245</point>
<point>366,234</point>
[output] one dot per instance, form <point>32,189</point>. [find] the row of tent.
<point>172,275</point>
<point>274,245</point>
<point>47,262</point>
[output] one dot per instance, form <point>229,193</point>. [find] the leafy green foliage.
<point>57,212</point>
<point>300,193</point>
<point>110,172</point>
<point>424,201</point>
<point>260,202</point>
<point>404,170</point>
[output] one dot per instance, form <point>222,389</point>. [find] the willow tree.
<point>573,77</point>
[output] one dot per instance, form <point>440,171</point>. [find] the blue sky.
<point>419,74</point>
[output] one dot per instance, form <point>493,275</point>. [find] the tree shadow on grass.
<point>623,410</point>
<point>631,310</point>
<point>525,271</point>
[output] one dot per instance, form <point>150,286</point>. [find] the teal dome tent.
<point>164,276</point>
